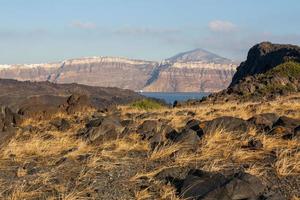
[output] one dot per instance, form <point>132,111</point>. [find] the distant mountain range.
<point>192,71</point>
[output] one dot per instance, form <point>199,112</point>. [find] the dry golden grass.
<point>218,151</point>
<point>288,106</point>
<point>295,198</point>
<point>38,146</point>
<point>165,151</point>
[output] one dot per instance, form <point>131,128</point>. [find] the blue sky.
<point>34,31</point>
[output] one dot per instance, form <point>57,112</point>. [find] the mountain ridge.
<point>199,54</point>
<point>134,74</point>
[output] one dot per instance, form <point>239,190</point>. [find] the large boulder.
<point>77,102</point>
<point>228,124</point>
<point>264,122</point>
<point>148,129</point>
<point>45,106</point>
<point>194,184</point>
<point>287,122</point>
<point>108,129</point>
<point>156,132</point>
<point>287,128</point>
<point>189,139</point>
<point>205,185</point>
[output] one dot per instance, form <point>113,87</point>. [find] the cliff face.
<point>34,72</point>
<point>96,71</point>
<point>193,71</point>
<point>105,72</point>
<point>192,77</point>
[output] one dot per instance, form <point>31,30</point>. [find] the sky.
<point>37,31</point>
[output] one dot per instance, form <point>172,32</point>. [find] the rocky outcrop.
<point>265,56</point>
<point>270,71</point>
<point>42,99</point>
<point>193,71</point>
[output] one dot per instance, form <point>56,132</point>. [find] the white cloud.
<point>83,25</point>
<point>221,26</point>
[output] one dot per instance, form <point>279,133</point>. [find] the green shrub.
<point>287,69</point>
<point>146,104</point>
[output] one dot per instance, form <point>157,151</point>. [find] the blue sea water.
<point>170,97</point>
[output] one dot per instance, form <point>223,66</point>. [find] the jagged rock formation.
<point>271,70</point>
<point>194,71</point>
<point>265,56</point>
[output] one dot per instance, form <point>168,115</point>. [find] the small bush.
<point>287,69</point>
<point>146,104</point>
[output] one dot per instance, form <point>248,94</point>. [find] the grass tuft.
<point>146,104</point>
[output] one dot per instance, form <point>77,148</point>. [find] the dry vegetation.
<point>50,164</point>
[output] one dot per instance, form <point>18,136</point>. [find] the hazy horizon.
<point>35,31</point>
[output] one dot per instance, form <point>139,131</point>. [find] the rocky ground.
<point>208,151</point>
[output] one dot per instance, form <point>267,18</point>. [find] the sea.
<point>170,97</point>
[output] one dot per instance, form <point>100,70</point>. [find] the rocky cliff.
<point>265,56</point>
<point>193,71</point>
<point>271,70</point>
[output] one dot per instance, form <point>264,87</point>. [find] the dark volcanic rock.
<point>253,144</point>
<point>162,136</point>
<point>229,124</point>
<point>297,131</point>
<point>109,129</point>
<point>189,139</point>
<point>148,129</point>
<point>199,184</point>
<point>157,133</point>
<point>77,102</point>
<point>287,122</point>
<point>61,124</point>
<point>265,121</point>
<point>271,70</point>
<point>285,127</point>
<point>27,95</point>
<point>263,57</point>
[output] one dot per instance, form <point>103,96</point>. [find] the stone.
<point>264,122</point>
<point>279,130</point>
<point>195,126</point>
<point>109,129</point>
<point>229,124</point>
<point>287,122</point>
<point>254,144</point>
<point>61,124</point>
<point>147,129</point>
<point>161,137</point>
<point>188,138</point>
<point>204,185</point>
